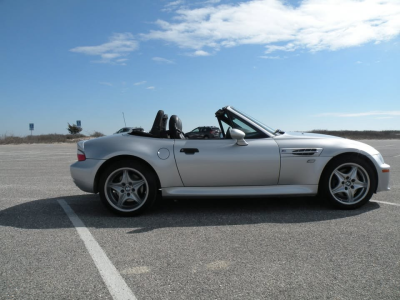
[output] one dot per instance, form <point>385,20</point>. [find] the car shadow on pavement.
<point>48,214</point>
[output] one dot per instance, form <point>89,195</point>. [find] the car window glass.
<point>234,121</point>
<point>250,131</point>
<point>195,130</point>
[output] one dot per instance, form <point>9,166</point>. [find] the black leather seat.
<point>159,125</point>
<point>175,128</point>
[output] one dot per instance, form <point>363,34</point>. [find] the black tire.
<point>128,188</point>
<point>347,182</point>
<point>206,137</point>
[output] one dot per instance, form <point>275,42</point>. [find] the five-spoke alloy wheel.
<point>128,187</point>
<point>348,182</point>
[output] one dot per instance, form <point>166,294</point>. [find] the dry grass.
<point>7,139</point>
<point>73,138</point>
<point>362,135</point>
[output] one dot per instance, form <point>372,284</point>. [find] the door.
<point>218,162</point>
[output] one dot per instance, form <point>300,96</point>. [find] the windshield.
<point>267,128</point>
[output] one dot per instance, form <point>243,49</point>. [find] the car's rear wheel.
<point>206,137</point>
<point>348,182</point>
<point>128,188</point>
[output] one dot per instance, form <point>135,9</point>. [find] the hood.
<point>302,135</point>
<point>332,145</point>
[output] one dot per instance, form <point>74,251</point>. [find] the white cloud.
<point>314,25</point>
<point>270,57</point>
<point>385,114</point>
<point>140,83</point>
<point>171,6</point>
<point>162,60</point>
<point>174,3</point>
<point>201,53</point>
<point>150,88</point>
<point>119,45</point>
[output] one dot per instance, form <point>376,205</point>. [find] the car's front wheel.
<point>348,182</point>
<point>128,187</point>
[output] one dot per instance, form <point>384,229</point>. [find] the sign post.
<point>31,127</point>
<point>78,123</point>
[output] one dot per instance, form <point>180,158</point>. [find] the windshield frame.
<point>268,130</point>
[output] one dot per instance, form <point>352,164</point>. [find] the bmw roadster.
<point>131,170</point>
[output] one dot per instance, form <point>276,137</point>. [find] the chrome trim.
<point>301,151</point>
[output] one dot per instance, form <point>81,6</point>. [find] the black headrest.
<point>175,128</point>
<point>159,124</point>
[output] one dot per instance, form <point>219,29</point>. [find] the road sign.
<point>31,126</point>
<point>78,123</point>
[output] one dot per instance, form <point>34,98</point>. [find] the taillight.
<point>81,156</point>
<point>212,131</point>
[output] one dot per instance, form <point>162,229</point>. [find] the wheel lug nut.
<point>346,188</point>
<point>122,191</point>
<point>342,182</point>
<point>123,184</point>
<point>353,180</point>
<point>128,194</point>
<point>347,177</point>
<point>352,186</point>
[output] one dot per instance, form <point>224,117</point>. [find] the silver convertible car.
<point>131,170</point>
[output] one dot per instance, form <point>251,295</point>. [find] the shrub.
<point>73,129</point>
<point>97,134</point>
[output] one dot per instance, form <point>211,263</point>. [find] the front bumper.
<point>383,171</point>
<point>84,172</point>
<point>383,178</point>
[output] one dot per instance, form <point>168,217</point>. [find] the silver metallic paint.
<point>222,168</point>
<point>84,172</point>
<point>224,163</point>
<point>239,191</point>
<point>136,146</point>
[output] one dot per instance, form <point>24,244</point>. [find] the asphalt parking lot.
<point>282,248</point>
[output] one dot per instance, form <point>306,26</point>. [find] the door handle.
<point>189,150</point>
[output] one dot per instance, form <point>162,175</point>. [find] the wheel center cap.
<point>128,189</point>
<point>348,183</point>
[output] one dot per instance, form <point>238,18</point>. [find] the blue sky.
<point>295,65</point>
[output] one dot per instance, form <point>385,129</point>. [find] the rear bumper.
<point>84,172</point>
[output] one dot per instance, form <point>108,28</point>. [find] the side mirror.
<point>238,135</point>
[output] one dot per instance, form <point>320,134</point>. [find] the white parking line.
<point>112,278</point>
<point>384,202</point>
<point>397,155</point>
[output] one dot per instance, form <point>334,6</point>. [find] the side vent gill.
<point>301,151</point>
